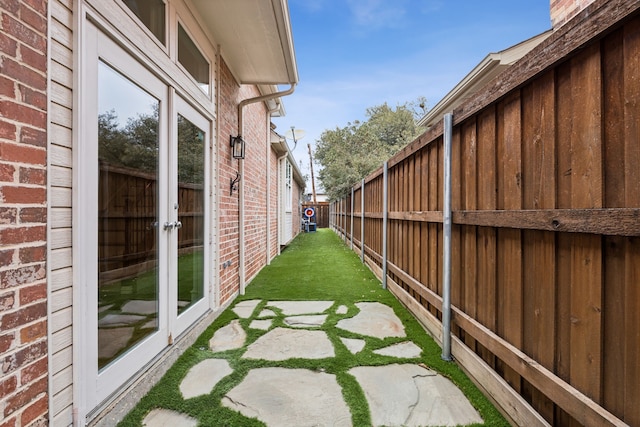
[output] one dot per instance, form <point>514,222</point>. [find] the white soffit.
<point>255,38</point>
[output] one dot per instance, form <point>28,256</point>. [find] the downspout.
<point>446,220</point>
<point>241,246</point>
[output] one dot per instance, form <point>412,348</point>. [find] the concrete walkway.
<point>398,394</point>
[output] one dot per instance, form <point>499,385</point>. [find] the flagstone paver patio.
<point>398,394</point>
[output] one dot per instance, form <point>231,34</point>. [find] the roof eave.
<point>255,38</point>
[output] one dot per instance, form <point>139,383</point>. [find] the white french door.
<point>143,192</point>
<point>189,290</point>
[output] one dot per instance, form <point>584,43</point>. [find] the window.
<point>288,186</point>
<point>152,15</point>
<point>192,59</point>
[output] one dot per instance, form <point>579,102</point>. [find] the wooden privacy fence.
<point>545,260</point>
<point>128,221</point>
<point>322,213</point>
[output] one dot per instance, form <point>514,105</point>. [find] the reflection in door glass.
<point>190,213</point>
<point>127,214</point>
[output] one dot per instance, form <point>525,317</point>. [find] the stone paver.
<point>281,397</point>
<point>295,308</point>
<point>267,313</point>
<point>228,337</point>
<point>374,320</point>
<point>343,309</point>
<point>409,395</point>
<point>404,349</point>
<point>140,307</point>
<point>284,343</point>
<point>309,321</point>
<point>263,324</point>
<point>167,418</point>
<point>354,345</point>
<point>203,377</point>
<point>398,394</point>
<point>244,309</point>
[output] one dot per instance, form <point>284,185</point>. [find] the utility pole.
<point>313,182</point>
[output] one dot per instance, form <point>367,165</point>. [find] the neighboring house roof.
<point>255,38</point>
<point>492,65</point>
<point>280,146</point>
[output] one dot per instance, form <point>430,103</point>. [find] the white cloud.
<point>376,14</point>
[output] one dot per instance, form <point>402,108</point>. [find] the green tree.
<point>134,145</point>
<point>349,154</point>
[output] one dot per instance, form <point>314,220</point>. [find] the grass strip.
<point>315,266</point>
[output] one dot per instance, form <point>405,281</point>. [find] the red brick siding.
<point>563,10</point>
<point>255,187</point>
<point>257,212</point>
<point>227,168</point>
<point>23,217</point>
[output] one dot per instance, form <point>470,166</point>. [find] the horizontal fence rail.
<point>545,255</point>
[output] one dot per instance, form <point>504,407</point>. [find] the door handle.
<point>170,225</point>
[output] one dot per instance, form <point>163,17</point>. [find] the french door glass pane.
<point>127,214</point>
<point>190,213</point>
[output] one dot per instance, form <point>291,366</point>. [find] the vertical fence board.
<point>439,246</point>
<point>632,198</point>
<point>486,249</point>
<point>419,252</point>
<point>586,264</point>
<point>511,240</point>
<point>456,235</point>
<point>564,241</point>
<point>410,184</point>
<point>470,194</point>
<point>614,260</point>
<point>539,186</point>
<point>424,228</point>
<point>434,183</point>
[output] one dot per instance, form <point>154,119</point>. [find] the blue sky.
<point>355,54</point>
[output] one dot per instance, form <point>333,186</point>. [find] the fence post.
<point>385,218</point>
<point>362,221</point>
<point>446,224</point>
<point>351,213</point>
<point>344,219</point>
<point>331,215</point>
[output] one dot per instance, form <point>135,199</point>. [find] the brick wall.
<point>254,181</point>
<point>563,10</point>
<point>23,213</point>
<point>227,168</point>
<point>255,187</point>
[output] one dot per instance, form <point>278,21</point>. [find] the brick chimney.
<point>563,10</point>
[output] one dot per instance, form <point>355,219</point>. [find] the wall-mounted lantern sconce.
<point>233,185</point>
<point>237,146</point>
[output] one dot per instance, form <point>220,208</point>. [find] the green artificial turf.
<point>315,266</point>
